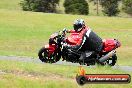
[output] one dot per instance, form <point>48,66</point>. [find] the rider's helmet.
<point>78,25</point>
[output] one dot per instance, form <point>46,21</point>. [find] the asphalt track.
<point>35,60</point>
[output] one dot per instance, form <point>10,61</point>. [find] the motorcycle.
<point>55,50</point>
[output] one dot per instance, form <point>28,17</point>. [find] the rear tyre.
<point>45,57</point>
<point>112,61</point>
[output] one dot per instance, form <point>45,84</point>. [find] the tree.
<point>96,2</point>
<point>110,7</point>
<point>39,5</point>
<point>76,7</point>
<point>127,6</point>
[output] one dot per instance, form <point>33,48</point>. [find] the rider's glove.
<point>65,30</point>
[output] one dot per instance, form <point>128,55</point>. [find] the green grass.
<point>10,4</point>
<point>12,81</point>
<point>30,75</point>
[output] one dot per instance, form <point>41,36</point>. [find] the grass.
<point>10,4</point>
<point>29,82</point>
<point>27,75</point>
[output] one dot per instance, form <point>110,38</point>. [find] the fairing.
<point>109,45</point>
<point>73,38</point>
<point>51,48</point>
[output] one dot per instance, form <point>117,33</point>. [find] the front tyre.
<point>44,56</point>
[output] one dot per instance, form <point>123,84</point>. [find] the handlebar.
<point>62,34</point>
<point>64,30</point>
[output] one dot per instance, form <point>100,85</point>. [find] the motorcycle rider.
<point>89,40</point>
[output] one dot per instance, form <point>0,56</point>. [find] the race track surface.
<point>34,60</point>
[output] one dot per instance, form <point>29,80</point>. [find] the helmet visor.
<point>77,27</point>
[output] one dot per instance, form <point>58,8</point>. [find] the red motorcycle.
<point>52,52</point>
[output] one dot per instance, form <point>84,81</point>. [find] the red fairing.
<point>109,45</point>
<point>75,38</point>
<point>51,48</point>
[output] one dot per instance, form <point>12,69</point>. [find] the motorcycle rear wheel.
<point>112,60</point>
<point>44,56</point>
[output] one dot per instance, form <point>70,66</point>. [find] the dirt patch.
<point>36,76</point>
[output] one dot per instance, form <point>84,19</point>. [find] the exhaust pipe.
<point>107,56</point>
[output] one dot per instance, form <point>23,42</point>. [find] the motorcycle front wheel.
<point>45,57</point>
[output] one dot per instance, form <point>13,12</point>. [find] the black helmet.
<point>78,25</point>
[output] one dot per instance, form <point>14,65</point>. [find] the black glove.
<point>65,30</point>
